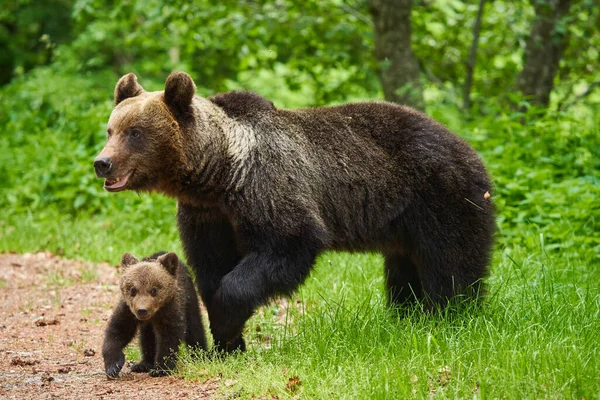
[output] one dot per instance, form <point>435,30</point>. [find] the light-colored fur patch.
<point>240,140</point>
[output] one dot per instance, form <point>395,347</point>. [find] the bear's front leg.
<point>261,275</point>
<point>119,332</point>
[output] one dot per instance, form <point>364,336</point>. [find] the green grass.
<point>535,336</point>
<point>143,226</point>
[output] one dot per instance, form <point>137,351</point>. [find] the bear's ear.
<point>127,87</point>
<point>128,260</point>
<point>179,92</point>
<point>170,262</point>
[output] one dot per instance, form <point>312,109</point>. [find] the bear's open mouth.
<point>116,184</point>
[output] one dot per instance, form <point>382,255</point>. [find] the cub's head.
<point>144,135</point>
<point>147,286</point>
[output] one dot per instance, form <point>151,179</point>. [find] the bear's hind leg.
<point>450,280</point>
<point>402,280</point>
<point>451,245</point>
<point>148,346</point>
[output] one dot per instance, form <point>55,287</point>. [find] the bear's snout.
<point>102,166</point>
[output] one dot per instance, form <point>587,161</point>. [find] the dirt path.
<point>52,316</point>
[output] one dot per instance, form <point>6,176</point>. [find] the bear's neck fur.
<point>218,155</point>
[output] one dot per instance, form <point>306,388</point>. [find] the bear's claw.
<point>113,371</point>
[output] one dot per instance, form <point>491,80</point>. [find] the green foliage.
<point>29,33</point>
<point>445,28</point>
<point>546,175</point>
<point>55,125</point>
<point>442,34</point>
<point>218,42</point>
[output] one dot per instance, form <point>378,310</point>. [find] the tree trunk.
<point>472,57</point>
<point>544,50</point>
<point>398,67</point>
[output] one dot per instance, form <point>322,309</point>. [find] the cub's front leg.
<point>119,332</point>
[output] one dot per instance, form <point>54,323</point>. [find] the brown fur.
<point>262,191</point>
<point>158,297</point>
<point>143,277</point>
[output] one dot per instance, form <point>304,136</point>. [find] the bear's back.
<point>242,105</point>
<point>385,124</point>
<point>355,145</point>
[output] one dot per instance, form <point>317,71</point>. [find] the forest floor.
<point>52,315</point>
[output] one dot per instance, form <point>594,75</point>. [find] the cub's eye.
<point>154,292</point>
<point>132,292</point>
<point>109,133</point>
<point>135,132</point>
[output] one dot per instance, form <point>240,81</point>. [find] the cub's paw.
<point>159,372</point>
<point>141,367</point>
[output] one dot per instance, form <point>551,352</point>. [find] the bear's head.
<point>148,285</point>
<point>144,143</point>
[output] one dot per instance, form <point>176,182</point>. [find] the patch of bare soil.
<point>52,317</point>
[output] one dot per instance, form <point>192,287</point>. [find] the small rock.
<point>64,370</point>
<point>47,378</point>
<point>43,322</point>
<point>22,362</point>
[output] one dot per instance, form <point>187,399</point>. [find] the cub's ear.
<point>127,260</point>
<point>127,87</point>
<point>170,262</point>
<point>179,92</point>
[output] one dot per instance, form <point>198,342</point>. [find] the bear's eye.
<point>132,292</point>
<point>154,292</point>
<point>135,132</point>
<point>109,132</point>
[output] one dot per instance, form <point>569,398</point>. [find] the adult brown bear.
<point>262,191</point>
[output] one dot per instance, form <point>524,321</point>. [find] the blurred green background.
<point>519,80</point>
<point>61,59</point>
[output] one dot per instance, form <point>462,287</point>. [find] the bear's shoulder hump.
<point>241,103</point>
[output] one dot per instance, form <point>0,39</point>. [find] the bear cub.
<point>158,297</point>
